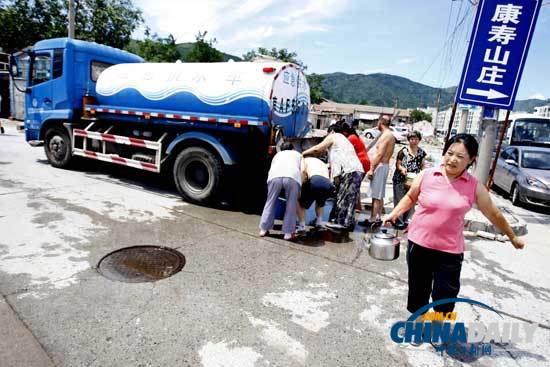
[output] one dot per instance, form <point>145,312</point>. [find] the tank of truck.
<point>272,92</point>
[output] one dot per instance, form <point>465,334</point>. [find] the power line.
<point>444,47</point>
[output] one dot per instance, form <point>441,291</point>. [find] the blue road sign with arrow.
<point>498,48</point>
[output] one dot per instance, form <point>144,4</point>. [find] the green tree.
<point>24,22</point>
<point>316,92</point>
<point>417,115</point>
<point>109,22</point>
<point>280,54</point>
<point>155,49</point>
<point>203,51</point>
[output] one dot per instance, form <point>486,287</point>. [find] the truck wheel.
<point>57,146</point>
<point>198,174</point>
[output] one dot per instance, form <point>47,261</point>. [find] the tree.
<point>24,22</point>
<point>280,54</point>
<point>203,51</point>
<point>417,115</point>
<point>155,49</point>
<point>316,92</point>
<point>109,22</point>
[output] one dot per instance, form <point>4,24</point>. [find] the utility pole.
<point>435,118</point>
<point>71,18</point>
<point>463,121</point>
<point>488,135</point>
<point>451,122</point>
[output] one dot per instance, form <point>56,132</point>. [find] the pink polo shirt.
<point>438,222</point>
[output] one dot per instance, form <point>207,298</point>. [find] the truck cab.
<point>61,72</point>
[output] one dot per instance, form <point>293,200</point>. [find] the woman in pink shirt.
<point>436,242</point>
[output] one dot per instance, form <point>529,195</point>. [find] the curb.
<point>475,222</point>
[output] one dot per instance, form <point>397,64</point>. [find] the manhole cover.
<point>140,264</point>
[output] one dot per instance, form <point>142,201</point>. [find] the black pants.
<point>432,272</point>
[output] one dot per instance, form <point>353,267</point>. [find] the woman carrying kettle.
<point>436,242</point>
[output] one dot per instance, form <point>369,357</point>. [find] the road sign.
<point>498,48</point>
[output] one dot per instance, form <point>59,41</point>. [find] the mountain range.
<point>390,90</point>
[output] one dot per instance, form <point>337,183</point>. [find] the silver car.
<point>524,172</point>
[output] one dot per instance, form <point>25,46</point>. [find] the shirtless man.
<point>379,169</point>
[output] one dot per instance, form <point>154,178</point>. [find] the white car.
<point>371,133</point>
<point>399,133</point>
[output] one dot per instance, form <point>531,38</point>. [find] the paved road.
<point>240,300</point>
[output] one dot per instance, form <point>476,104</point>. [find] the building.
<point>472,124</point>
<point>543,111</point>
<point>322,114</point>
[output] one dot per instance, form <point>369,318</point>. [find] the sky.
<point>426,42</point>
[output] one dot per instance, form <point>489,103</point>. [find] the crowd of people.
<point>442,195</point>
<point>305,178</point>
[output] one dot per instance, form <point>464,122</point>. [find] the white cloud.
<point>250,35</point>
<point>322,44</point>
<point>238,24</point>
<point>316,9</point>
<point>406,60</point>
<point>376,71</point>
<point>537,96</point>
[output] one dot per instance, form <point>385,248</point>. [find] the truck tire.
<point>57,146</point>
<point>198,175</point>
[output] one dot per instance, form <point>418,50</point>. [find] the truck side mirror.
<point>511,162</point>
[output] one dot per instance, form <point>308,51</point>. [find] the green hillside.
<point>185,48</point>
<point>528,105</point>
<point>382,90</point>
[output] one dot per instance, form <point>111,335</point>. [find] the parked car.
<point>524,172</point>
<point>399,133</point>
<point>371,133</point>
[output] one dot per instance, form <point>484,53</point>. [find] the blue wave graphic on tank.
<point>167,92</point>
<point>185,102</point>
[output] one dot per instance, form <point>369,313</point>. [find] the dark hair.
<point>469,142</point>
<point>287,146</point>
<point>414,134</point>
<point>346,128</point>
<point>337,128</point>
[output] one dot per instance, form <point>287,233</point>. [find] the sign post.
<point>499,44</point>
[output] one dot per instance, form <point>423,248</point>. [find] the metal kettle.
<point>384,244</point>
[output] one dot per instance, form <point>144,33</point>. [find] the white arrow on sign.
<point>489,94</point>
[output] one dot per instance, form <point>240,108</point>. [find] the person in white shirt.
<point>346,171</point>
<point>285,174</point>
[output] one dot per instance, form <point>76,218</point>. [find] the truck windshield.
<point>532,130</point>
<point>535,159</point>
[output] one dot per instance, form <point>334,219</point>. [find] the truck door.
<point>38,99</point>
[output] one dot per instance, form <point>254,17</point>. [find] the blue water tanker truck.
<point>196,121</point>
